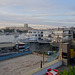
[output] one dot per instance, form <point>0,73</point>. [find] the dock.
<point>34,41</point>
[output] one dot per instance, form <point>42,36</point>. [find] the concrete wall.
<point>66,53</point>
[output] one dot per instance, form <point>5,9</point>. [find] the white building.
<point>35,34</point>
<point>47,34</point>
<point>25,26</point>
<point>57,34</point>
<point>67,34</point>
<point>63,34</point>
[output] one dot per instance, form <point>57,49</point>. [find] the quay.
<point>30,41</point>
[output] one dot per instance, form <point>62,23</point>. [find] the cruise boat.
<point>13,48</point>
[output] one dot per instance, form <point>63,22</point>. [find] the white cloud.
<point>51,12</point>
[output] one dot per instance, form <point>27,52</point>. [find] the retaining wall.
<point>14,55</point>
<point>41,71</point>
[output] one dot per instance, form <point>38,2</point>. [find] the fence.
<point>14,55</point>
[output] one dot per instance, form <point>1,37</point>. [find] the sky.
<point>37,13</point>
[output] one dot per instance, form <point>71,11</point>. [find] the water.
<point>33,46</point>
<point>6,38</point>
<point>40,47</point>
<point>11,38</point>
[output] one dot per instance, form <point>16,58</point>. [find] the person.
<point>41,64</point>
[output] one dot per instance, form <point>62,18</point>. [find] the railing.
<point>67,34</point>
<point>40,71</point>
<point>14,55</point>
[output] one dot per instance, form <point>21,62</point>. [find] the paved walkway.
<point>20,65</point>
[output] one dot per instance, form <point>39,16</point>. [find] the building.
<point>25,26</point>
<point>47,35</point>
<point>67,34</point>
<point>63,34</point>
<point>35,34</point>
<point>73,28</point>
<point>68,51</point>
<point>57,34</point>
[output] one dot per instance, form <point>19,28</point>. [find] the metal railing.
<point>33,72</point>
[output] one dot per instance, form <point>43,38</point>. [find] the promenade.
<point>20,65</point>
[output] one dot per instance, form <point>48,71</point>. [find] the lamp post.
<point>43,56</point>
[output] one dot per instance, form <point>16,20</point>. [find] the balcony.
<point>67,34</point>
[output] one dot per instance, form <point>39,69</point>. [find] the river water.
<point>33,46</point>
<point>10,38</point>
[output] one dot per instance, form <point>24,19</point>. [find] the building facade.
<point>25,26</point>
<point>47,35</point>
<point>57,34</point>
<point>68,34</point>
<point>35,34</point>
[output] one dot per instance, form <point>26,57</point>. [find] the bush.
<point>71,71</point>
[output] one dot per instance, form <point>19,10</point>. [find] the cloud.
<point>45,12</point>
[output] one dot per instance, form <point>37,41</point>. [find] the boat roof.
<point>2,45</point>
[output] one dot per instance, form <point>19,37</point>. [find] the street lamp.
<point>43,56</point>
